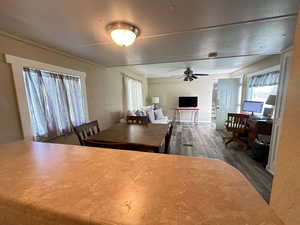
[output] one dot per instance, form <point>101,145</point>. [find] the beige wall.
<point>104,85</point>
<point>285,198</point>
<point>263,64</point>
<point>169,89</point>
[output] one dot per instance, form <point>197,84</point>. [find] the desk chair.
<point>85,130</point>
<point>237,125</point>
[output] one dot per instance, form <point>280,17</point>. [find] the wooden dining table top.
<point>151,135</point>
<point>55,184</point>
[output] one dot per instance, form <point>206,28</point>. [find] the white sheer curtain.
<point>55,102</point>
<point>133,94</point>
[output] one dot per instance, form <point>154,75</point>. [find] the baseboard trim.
<point>191,121</point>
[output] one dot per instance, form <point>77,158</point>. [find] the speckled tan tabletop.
<point>51,184</point>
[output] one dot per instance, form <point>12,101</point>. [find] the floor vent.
<point>189,145</point>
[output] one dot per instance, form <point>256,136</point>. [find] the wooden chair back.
<point>142,120</point>
<point>168,138</point>
<point>236,123</point>
<point>85,130</point>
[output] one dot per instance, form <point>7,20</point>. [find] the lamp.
<point>271,101</point>
<point>155,101</point>
<point>123,34</point>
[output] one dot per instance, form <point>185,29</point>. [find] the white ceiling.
<point>172,30</point>
<point>208,66</point>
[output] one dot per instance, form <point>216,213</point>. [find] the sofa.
<point>154,115</point>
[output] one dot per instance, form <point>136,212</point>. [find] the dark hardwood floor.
<point>203,140</point>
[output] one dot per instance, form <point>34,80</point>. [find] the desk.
<point>149,136</point>
<point>57,184</point>
<point>194,113</point>
<point>252,130</point>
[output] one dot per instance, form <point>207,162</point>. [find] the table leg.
<point>196,116</point>
<point>166,144</point>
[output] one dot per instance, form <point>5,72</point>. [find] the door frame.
<point>279,109</point>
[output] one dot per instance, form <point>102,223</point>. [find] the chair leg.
<point>227,138</point>
<point>229,141</point>
<point>243,143</point>
<point>235,138</point>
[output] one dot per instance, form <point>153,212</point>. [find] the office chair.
<point>237,125</point>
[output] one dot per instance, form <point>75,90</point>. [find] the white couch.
<point>152,115</point>
<point>164,120</point>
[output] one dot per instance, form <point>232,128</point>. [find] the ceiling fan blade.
<point>201,74</point>
<point>193,76</point>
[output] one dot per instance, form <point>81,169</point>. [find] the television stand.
<point>194,113</point>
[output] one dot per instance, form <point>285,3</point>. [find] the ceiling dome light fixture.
<point>123,34</point>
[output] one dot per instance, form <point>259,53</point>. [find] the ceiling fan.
<point>190,76</point>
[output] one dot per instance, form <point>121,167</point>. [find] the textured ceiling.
<point>172,30</point>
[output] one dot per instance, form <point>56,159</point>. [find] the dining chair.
<point>85,130</point>
<point>168,138</point>
<point>236,124</point>
<point>141,120</point>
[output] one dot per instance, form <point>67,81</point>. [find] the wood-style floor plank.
<point>203,140</point>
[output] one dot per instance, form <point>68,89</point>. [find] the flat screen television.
<point>189,101</point>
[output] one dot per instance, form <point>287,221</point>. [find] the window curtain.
<point>133,94</point>
<point>125,95</point>
<point>55,103</point>
<point>266,79</point>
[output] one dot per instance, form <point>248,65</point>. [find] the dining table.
<point>147,137</point>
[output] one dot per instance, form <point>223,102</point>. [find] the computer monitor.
<point>252,106</point>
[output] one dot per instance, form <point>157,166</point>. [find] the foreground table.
<point>51,184</point>
<point>146,137</point>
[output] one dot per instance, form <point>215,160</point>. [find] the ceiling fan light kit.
<point>123,34</point>
<point>189,75</point>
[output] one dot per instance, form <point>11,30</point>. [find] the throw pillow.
<point>151,115</point>
<point>139,113</point>
<point>130,113</point>
<point>159,114</point>
<point>147,108</point>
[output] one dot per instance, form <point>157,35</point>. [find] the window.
<point>50,98</point>
<point>134,92</point>
<point>55,102</point>
<point>262,93</point>
<point>263,85</point>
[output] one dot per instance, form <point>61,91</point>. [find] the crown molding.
<point>45,47</point>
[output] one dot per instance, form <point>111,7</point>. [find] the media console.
<point>194,113</point>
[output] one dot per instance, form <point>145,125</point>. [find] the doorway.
<point>228,99</point>
<point>214,101</point>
